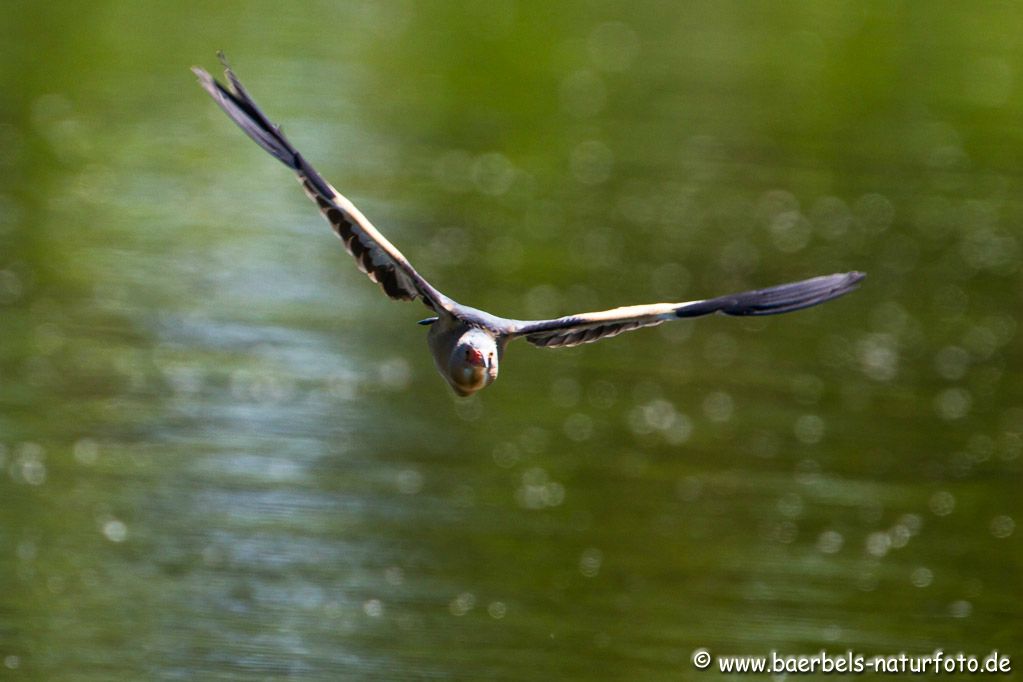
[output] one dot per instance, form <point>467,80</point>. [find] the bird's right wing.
<point>374,255</point>
<point>574,330</point>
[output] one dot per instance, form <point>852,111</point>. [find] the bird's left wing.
<point>378,258</point>
<point>574,330</point>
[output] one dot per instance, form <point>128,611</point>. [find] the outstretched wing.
<point>574,330</point>
<point>374,255</point>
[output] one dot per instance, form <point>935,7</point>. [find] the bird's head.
<point>473,364</point>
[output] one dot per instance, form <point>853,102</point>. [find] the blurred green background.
<point>225,455</point>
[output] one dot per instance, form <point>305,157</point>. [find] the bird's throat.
<point>474,377</point>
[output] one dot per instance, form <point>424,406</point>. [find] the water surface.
<point>225,455</point>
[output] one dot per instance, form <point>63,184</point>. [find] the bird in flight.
<point>468,344</point>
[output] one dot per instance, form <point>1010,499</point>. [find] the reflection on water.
<point>225,455</point>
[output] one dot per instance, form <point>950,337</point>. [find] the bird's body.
<point>468,344</point>
<point>467,355</point>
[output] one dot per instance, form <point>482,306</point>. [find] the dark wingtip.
<point>854,277</point>
<point>796,296</point>
<point>203,75</point>
<point>207,82</point>
<point>240,107</point>
<point>849,281</point>
<point>783,298</point>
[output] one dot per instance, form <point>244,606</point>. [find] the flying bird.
<point>468,344</point>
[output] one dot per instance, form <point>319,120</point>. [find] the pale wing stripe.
<point>574,330</point>
<point>373,254</point>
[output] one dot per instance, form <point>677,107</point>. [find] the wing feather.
<point>574,330</point>
<point>374,255</point>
